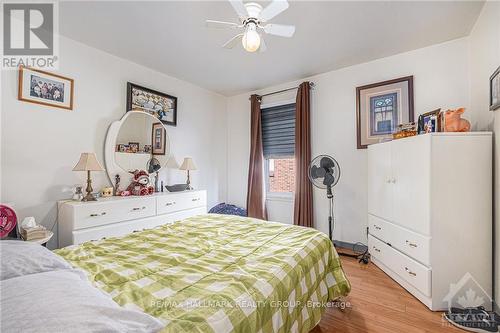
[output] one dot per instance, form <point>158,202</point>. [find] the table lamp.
<point>88,162</point>
<point>188,165</point>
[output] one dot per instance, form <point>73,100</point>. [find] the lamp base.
<point>89,196</point>
<point>188,183</point>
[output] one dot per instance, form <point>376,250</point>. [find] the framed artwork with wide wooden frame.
<point>157,104</point>
<point>158,135</point>
<point>495,90</point>
<point>381,107</point>
<point>40,87</point>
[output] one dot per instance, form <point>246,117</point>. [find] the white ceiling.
<point>171,36</point>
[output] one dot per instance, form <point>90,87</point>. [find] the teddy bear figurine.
<point>140,184</point>
<point>454,123</point>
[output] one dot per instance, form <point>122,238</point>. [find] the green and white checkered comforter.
<point>218,273</point>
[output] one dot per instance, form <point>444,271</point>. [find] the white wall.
<point>440,80</point>
<point>40,145</point>
<point>484,59</point>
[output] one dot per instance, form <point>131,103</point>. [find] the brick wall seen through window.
<point>281,175</point>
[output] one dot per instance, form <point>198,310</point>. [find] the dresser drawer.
<point>123,228</point>
<point>408,269</point>
<point>106,212</point>
<point>180,201</point>
<point>411,243</point>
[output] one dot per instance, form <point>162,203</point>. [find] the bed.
<point>218,273</point>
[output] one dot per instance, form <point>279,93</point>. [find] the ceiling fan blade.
<point>232,42</point>
<point>273,9</point>
<point>221,24</point>
<point>280,30</point>
<point>239,8</point>
<point>263,46</point>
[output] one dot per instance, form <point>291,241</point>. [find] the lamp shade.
<point>172,163</point>
<point>188,164</point>
<point>88,162</point>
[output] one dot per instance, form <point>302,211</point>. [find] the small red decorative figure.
<point>140,183</point>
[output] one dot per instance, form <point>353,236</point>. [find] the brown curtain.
<point>256,200</point>
<point>303,210</point>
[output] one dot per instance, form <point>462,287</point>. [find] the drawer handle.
<point>170,203</point>
<point>138,208</point>
<point>410,272</point>
<point>376,249</point>
<point>411,244</point>
<point>377,227</point>
<point>96,215</point>
<point>195,199</point>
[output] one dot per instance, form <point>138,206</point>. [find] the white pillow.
<point>61,301</point>
<point>21,258</point>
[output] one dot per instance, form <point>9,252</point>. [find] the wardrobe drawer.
<point>410,270</point>
<point>105,212</point>
<point>181,201</point>
<point>411,243</point>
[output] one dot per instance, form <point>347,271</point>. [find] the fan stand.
<point>361,257</point>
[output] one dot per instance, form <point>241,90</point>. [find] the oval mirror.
<point>137,142</point>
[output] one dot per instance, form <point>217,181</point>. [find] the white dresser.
<point>79,222</point>
<point>430,212</point>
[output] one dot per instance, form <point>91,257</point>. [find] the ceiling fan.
<point>253,20</point>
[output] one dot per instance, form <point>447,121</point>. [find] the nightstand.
<point>41,241</point>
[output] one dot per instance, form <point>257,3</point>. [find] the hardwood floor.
<point>378,304</point>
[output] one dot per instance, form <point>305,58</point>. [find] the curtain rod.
<point>311,86</point>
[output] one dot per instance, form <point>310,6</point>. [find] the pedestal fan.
<point>324,173</point>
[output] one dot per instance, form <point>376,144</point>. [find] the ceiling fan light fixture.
<point>251,38</point>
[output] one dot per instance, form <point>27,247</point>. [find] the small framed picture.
<point>148,149</point>
<point>158,138</point>
<point>121,148</point>
<point>134,147</point>
<point>495,90</point>
<point>39,87</point>
<point>429,122</point>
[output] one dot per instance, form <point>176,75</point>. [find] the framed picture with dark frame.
<point>158,104</point>
<point>495,90</point>
<point>381,107</point>
<point>158,135</point>
<point>40,87</point>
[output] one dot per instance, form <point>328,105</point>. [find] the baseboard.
<point>346,245</point>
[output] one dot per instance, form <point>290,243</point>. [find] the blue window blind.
<point>278,131</point>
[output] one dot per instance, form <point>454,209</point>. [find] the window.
<point>278,139</point>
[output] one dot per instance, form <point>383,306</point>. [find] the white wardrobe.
<point>430,212</point>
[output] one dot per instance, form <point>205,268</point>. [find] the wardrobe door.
<point>411,160</point>
<point>380,189</point>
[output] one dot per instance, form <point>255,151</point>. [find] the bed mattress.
<point>218,273</point>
